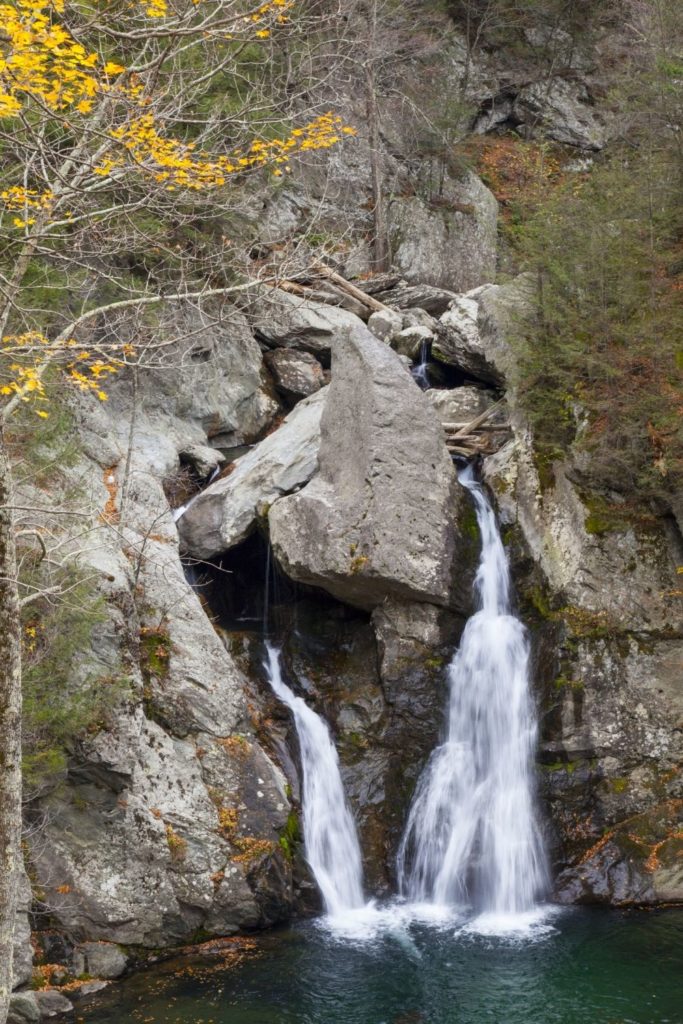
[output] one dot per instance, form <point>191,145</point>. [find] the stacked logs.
<point>477,437</point>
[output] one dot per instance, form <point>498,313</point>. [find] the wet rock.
<point>296,374</point>
<point>226,511</point>
<point>102,959</point>
<point>452,245</point>
<point>23,1008</point>
<point>410,341</point>
<point>379,518</point>
<point>289,321</point>
<point>53,1004</point>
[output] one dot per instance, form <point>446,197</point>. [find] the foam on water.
<point>471,839</point>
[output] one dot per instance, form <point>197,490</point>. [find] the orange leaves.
<point>518,172</point>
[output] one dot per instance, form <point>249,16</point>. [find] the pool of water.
<point>389,966</point>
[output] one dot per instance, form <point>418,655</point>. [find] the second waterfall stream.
<point>330,837</point>
<point>471,840</point>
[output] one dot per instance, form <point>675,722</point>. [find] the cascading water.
<point>330,837</point>
<point>420,372</point>
<point>471,839</point>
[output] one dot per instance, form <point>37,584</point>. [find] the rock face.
<point>609,647</point>
<point>379,518</point>
<point>475,333</point>
<point>168,817</point>
<point>451,246</point>
<point>287,321</point>
<point>296,374</point>
<point>223,514</point>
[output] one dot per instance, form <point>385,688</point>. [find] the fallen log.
<point>369,301</point>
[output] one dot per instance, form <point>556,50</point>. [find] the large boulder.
<point>460,405</point>
<point>450,245</point>
<point>474,334</point>
<point>380,517</point>
<point>296,374</point>
<point>225,513</point>
<point>284,320</point>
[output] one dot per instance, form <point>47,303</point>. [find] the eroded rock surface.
<point>226,511</point>
<point>379,518</point>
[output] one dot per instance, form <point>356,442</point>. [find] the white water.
<point>330,837</point>
<point>471,840</point>
<point>419,372</point>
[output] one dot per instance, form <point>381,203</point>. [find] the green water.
<point>591,967</point>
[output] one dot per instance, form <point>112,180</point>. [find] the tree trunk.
<point>381,241</point>
<point>10,733</point>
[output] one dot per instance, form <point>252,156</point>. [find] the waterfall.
<point>419,372</point>
<point>471,839</point>
<point>330,838</point>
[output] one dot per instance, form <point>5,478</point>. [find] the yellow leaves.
<point>176,165</point>
<point>156,9</point>
<point>83,369</point>
<point>42,61</point>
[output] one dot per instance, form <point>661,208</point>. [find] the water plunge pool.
<point>583,966</point>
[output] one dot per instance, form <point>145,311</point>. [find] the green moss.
<point>562,683</point>
<point>434,663</point>
<point>619,785</point>
<point>561,766</point>
<point>290,837</point>
<point>155,651</point>
<point>358,564</point>
<point>468,523</point>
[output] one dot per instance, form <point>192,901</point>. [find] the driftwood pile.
<point>476,437</point>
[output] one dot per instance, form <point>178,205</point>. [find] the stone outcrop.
<point>226,511</point>
<point>296,374</point>
<point>598,582</point>
<point>289,321</point>
<point>451,245</point>
<point>474,334</point>
<point>379,518</point>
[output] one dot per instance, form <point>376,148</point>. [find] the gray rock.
<point>460,405</point>
<point>204,460</point>
<point>53,1004</point>
<point>91,988</point>
<point>385,323</point>
<point>379,518</point>
<point>225,513</point>
<point>103,959</point>
<point>562,111</point>
<point>296,374</point>
<point>288,321</point>
<point>474,333</point>
<point>451,246</point>
<point>410,340</point>
<point>434,301</point>
<point>23,1009</point>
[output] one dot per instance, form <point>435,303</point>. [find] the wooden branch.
<point>490,428</point>
<point>478,420</point>
<point>369,301</point>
